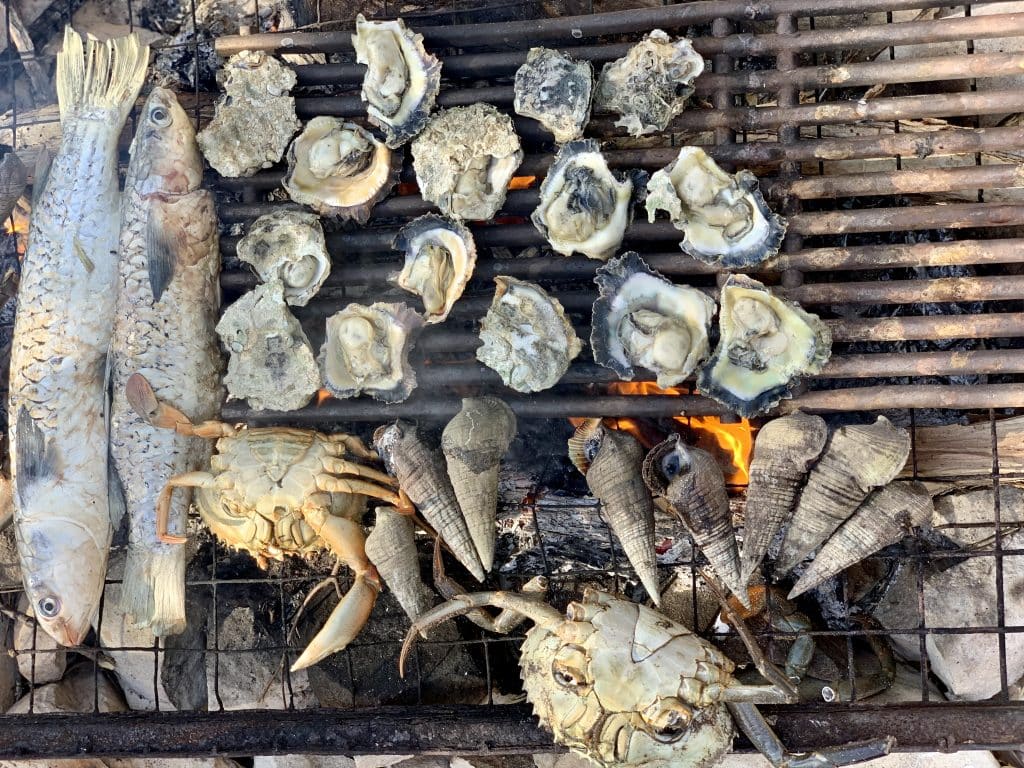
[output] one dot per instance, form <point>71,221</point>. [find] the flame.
<point>17,224</point>
<point>522,182</point>
<point>321,396</point>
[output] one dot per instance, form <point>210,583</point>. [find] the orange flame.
<point>522,182</point>
<point>321,396</point>
<point>17,224</point>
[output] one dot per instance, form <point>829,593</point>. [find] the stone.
<point>76,692</point>
<point>40,658</point>
<point>976,508</point>
<point>10,568</point>
<point>303,761</point>
<point>966,759</point>
<point>563,760</point>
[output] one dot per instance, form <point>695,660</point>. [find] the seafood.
<point>254,118</point>
<point>858,459</point>
<point>13,178</point>
<point>554,89</point>
<point>526,336</point>
<point>765,345</point>
<point>783,453</point>
<point>473,443</point>
<point>610,460</point>
<point>439,259</point>
<point>270,360</point>
<point>724,217</point>
<point>584,207</point>
<point>288,246</point>
<point>276,491</point>
<point>464,160</point>
<point>164,328</point>
<point>420,470</point>
<point>885,517</point>
<point>401,81</point>
<point>643,320</point>
<point>650,84</point>
<point>692,483</point>
<point>57,401</point>
<point>340,169</point>
<point>391,547</point>
<point>366,350</point>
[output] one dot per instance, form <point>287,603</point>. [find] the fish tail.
<point>153,591</point>
<point>100,74</point>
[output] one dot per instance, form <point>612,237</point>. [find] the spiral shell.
<point>391,548</point>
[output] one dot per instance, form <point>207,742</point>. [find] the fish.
<point>58,405</point>
<point>167,302</point>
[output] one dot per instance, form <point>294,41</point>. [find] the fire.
<point>17,224</point>
<point>522,182</point>
<point>321,396</point>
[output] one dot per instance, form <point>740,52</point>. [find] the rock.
<point>906,688</point>
<point>9,677</point>
<point>400,761</point>
<point>900,760</point>
<point>977,508</point>
<point>183,672</point>
<point>563,760</point>
<point>40,658</point>
<point>10,569</point>
<point>483,761</point>
<point>75,693</point>
<point>303,761</point>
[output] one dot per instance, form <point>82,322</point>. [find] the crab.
<point>276,491</point>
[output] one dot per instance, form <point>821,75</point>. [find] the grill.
<point>903,235</point>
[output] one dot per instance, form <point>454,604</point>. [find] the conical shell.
<point>13,178</point>
<point>473,444</point>
<point>421,473</point>
<point>692,482</point>
<point>783,453</point>
<point>887,516</point>
<point>612,460</point>
<point>858,459</point>
<point>391,547</point>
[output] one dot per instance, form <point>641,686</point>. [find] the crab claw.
<point>344,623</point>
<point>143,400</point>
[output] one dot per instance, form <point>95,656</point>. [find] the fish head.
<point>164,152</point>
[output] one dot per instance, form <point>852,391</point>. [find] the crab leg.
<point>354,446</point>
<point>338,466</point>
<point>348,485</point>
<point>163,504</point>
<point>143,400</point>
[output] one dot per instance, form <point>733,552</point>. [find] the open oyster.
<point>643,320</point>
<point>765,344</point>
<point>439,260</point>
<point>367,351</point>
<point>650,84</point>
<point>288,246</point>
<point>464,160</point>
<point>584,207</point>
<point>555,90</point>
<point>526,336</point>
<point>401,81</point>
<point>254,118</point>
<point>340,169</point>
<point>725,218</point>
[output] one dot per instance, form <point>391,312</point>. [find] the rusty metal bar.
<point>957,396</point>
<point>928,328</point>
<point>954,216</point>
<point>943,289</point>
<point>903,182</point>
<point>960,252</point>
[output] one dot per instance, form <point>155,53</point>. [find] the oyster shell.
<point>643,320</point>
<point>584,207</point>
<point>526,336</point>
<point>724,217</point>
<point>650,84</point>
<point>340,169</point>
<point>366,350</point>
<point>391,547</point>
<point>464,160</point>
<point>439,259</point>
<point>765,344</point>
<point>401,81</point>
<point>254,118</point>
<point>271,361</point>
<point>288,246</point>
<point>555,90</point>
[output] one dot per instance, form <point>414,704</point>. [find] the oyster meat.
<point>766,344</point>
<point>254,118</point>
<point>584,207</point>
<point>439,259</point>
<point>724,217</point>
<point>464,160</point>
<point>366,350</point>
<point>401,80</point>
<point>555,90</point>
<point>340,169</point>
<point>643,320</point>
<point>271,361</point>
<point>288,246</point>
<point>650,84</point>
<point>526,336</point>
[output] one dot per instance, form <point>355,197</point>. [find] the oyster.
<point>288,246</point>
<point>643,320</point>
<point>254,118</point>
<point>555,90</point>
<point>464,160</point>
<point>366,350</point>
<point>765,344</point>
<point>391,547</point>
<point>271,361</point>
<point>584,207</point>
<point>439,259</point>
<point>340,169</point>
<point>401,81</point>
<point>724,217</point>
<point>526,336</point>
<point>650,84</point>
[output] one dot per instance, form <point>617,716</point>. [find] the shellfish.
<point>391,547</point>
<point>555,90</point>
<point>288,246</point>
<point>439,259</point>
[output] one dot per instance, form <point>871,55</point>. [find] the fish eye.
<point>569,667</point>
<point>667,719</point>
<point>48,607</point>
<point>160,116</point>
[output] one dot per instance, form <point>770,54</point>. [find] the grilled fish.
<point>164,329</point>
<point>57,404</point>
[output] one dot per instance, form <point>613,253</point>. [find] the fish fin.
<point>161,256</point>
<point>44,160</point>
<point>153,588</point>
<point>36,456</point>
<point>103,74</point>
